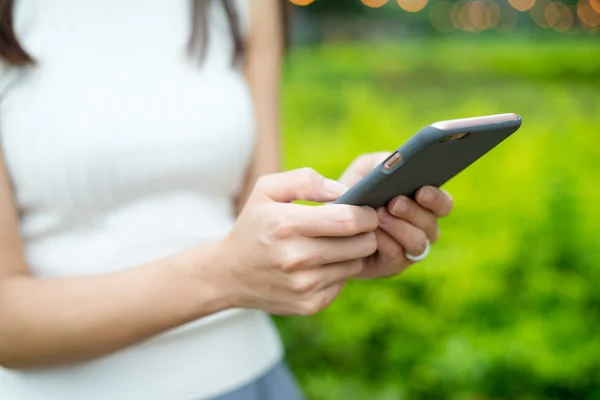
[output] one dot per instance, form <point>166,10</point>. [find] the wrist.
<point>201,276</point>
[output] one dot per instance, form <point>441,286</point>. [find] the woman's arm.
<point>264,52</point>
<point>281,258</point>
<point>55,321</point>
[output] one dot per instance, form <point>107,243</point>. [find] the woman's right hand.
<point>287,258</point>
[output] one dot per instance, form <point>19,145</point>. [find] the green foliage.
<point>508,304</point>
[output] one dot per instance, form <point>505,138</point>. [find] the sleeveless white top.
<point>115,144</point>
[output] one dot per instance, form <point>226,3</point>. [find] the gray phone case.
<point>425,161</point>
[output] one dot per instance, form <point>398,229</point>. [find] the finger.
<point>406,209</point>
<point>436,200</point>
<point>391,258</point>
<point>321,299</point>
<point>330,293</point>
<point>333,250</point>
<point>315,253</point>
<point>298,184</point>
<point>311,281</point>
<point>387,246</point>
<point>332,274</point>
<point>361,166</point>
<point>391,254</point>
<point>333,220</point>
<point>411,238</point>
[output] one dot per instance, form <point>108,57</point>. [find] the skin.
<point>404,225</point>
<point>263,71</point>
<point>296,258</point>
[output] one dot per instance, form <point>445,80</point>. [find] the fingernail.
<point>447,194</point>
<point>383,216</point>
<point>334,187</point>
<point>400,206</point>
<point>427,195</point>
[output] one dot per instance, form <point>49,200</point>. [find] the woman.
<point>128,151</point>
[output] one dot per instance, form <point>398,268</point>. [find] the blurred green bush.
<point>508,304</point>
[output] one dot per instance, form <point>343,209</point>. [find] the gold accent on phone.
<point>392,160</point>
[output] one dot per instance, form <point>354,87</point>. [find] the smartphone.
<point>431,157</point>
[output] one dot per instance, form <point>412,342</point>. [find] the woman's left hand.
<point>406,227</point>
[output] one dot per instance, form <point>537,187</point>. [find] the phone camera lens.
<point>392,161</point>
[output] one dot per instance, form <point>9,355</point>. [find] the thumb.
<point>298,184</point>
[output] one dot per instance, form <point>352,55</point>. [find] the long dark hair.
<point>13,53</point>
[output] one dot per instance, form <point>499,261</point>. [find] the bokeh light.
<point>412,5</point>
<point>481,15</point>
<point>537,13</point>
<point>465,17</point>
<point>373,3</point>
<point>495,13</point>
<point>439,16</point>
<point>455,15</point>
<point>552,13</point>
<point>475,16</point>
<point>301,2</point>
<point>587,14</point>
<point>576,28</point>
<point>508,18</point>
<point>522,5</point>
<point>565,19</point>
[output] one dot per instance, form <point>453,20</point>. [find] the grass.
<point>507,305</point>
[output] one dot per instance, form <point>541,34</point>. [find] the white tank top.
<point>115,143</point>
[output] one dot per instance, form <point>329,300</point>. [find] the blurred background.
<point>507,306</point>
